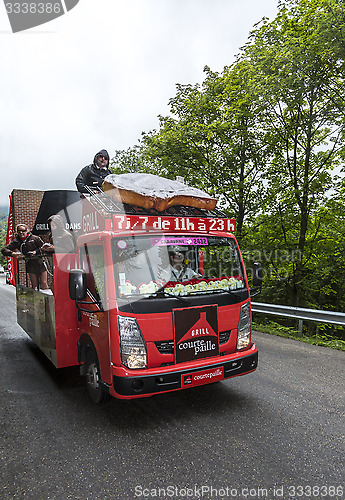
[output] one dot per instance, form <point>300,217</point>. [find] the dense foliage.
<point>267,138</point>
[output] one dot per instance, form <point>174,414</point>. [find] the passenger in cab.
<point>179,269</point>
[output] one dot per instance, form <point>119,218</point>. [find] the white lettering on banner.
<point>198,346</point>
<point>90,222</point>
<point>42,227</point>
<point>73,225</point>
<point>145,220</point>
<point>161,224</point>
<point>9,238</point>
<point>191,224</point>
<point>10,269</point>
<point>200,331</point>
<point>216,373</point>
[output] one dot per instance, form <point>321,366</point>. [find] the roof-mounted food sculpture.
<point>153,192</point>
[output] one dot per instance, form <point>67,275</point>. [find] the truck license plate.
<point>202,377</point>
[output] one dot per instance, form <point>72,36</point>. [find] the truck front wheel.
<point>95,387</point>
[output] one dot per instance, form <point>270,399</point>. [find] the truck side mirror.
<point>257,274</point>
<point>77,284</point>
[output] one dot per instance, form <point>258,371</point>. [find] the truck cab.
<point>163,302</point>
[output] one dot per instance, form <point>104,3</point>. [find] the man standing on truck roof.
<point>93,175</point>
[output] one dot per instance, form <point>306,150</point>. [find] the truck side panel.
<point>51,321</point>
<point>36,315</point>
<point>67,334</point>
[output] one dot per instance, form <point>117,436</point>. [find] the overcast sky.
<point>99,75</point>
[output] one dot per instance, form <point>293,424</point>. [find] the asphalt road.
<point>276,433</point>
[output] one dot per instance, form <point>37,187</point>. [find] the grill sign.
<point>196,333</point>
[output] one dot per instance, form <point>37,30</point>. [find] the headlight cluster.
<point>243,329</point>
<point>133,347</point>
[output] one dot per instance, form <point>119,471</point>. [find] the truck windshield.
<point>177,266</point>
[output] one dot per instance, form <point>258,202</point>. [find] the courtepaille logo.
<point>196,333</point>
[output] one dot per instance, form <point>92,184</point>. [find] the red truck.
<point>119,312</point>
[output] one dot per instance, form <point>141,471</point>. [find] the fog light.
<point>137,384</point>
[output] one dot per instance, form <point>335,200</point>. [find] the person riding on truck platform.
<point>29,245</point>
<point>93,175</point>
<point>60,240</point>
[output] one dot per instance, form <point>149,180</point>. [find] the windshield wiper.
<point>161,292</point>
<point>238,292</point>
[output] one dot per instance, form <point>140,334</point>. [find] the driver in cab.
<point>179,270</point>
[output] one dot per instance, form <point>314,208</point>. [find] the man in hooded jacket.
<point>93,175</point>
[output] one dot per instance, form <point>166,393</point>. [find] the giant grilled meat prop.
<point>153,192</point>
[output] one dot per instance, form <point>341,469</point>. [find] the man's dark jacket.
<point>92,175</point>
<point>32,244</point>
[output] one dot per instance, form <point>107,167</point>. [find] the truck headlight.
<point>132,344</point>
<point>244,327</point>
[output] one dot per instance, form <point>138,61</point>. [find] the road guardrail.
<point>300,313</point>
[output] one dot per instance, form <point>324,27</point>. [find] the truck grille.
<point>224,336</point>
<point>166,347</point>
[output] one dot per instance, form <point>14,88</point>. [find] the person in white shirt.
<point>178,265</point>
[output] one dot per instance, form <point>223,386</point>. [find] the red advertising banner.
<point>203,377</point>
<point>11,262</point>
<point>176,224</point>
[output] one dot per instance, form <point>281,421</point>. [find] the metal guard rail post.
<point>300,313</point>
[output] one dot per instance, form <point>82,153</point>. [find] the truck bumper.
<point>165,381</point>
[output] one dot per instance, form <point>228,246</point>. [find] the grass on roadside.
<point>290,333</point>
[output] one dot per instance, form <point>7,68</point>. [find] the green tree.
<point>214,141</point>
<point>266,137</point>
<point>299,78</point>
<point>327,263</point>
<point>133,160</point>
